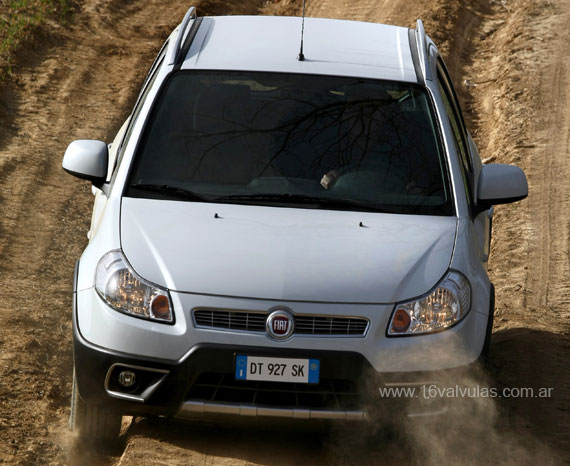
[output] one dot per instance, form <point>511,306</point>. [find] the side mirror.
<point>500,184</point>
<point>88,160</point>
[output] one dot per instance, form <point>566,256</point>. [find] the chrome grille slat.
<point>304,324</point>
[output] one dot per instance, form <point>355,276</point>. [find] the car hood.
<point>281,253</point>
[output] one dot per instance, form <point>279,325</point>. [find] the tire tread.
<point>92,422</point>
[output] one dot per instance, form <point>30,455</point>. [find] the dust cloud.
<point>454,417</point>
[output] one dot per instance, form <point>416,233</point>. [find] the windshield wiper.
<point>168,189</point>
<point>300,199</point>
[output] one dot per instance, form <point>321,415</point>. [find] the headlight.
<point>443,307</point>
<point>126,292</point>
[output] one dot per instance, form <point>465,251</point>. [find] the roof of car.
<point>331,47</point>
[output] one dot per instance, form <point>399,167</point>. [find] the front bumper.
<point>202,383</point>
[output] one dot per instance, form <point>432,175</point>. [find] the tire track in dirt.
<point>550,242</point>
<point>521,93</point>
<point>78,85</point>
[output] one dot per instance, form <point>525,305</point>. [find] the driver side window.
<point>453,112</point>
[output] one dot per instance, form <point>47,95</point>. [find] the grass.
<point>20,20</point>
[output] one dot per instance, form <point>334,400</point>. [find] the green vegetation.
<point>20,20</point>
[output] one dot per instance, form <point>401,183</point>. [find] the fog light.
<point>127,378</point>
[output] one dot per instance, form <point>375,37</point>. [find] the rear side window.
<point>230,135</point>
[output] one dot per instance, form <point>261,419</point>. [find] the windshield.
<point>289,139</point>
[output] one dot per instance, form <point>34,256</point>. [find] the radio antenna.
<point>301,56</point>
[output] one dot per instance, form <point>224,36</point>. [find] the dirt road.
<point>509,59</point>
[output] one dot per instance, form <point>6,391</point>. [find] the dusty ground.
<point>509,59</point>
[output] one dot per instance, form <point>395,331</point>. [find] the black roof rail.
<point>184,37</point>
<point>420,53</point>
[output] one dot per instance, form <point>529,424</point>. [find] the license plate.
<point>277,369</point>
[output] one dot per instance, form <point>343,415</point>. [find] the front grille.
<point>335,394</point>
<point>304,325</point>
<point>314,325</point>
<point>231,320</point>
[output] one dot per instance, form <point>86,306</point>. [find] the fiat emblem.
<point>280,324</point>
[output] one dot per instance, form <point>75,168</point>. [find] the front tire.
<point>92,423</point>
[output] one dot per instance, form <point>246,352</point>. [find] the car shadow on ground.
<point>523,359</point>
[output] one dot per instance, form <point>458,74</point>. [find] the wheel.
<point>91,422</point>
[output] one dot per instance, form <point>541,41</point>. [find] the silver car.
<point>272,233</point>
